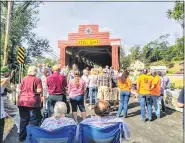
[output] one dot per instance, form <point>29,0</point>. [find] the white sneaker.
<point>18,130</point>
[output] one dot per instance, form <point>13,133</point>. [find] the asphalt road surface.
<point>167,129</point>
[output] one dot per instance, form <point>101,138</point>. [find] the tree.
<point>23,22</point>
<point>155,50</point>
<point>36,46</point>
<point>43,60</point>
<point>177,13</point>
<point>124,60</point>
<point>135,53</point>
<point>179,49</point>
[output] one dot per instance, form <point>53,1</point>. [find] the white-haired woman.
<point>58,119</point>
<point>29,101</point>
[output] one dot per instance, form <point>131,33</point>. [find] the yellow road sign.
<point>88,42</point>
<point>20,55</point>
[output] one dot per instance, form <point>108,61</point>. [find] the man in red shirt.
<point>57,84</point>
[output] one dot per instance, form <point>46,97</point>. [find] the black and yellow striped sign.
<point>20,55</point>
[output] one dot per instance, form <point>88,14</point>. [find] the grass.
<point>179,83</point>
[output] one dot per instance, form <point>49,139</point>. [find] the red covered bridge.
<point>89,47</point>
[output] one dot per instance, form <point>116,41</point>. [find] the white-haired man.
<point>29,101</point>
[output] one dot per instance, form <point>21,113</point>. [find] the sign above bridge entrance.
<point>88,42</point>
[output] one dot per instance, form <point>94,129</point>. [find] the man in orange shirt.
<point>155,92</point>
<point>144,83</point>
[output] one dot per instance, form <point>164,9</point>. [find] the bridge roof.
<point>91,36</point>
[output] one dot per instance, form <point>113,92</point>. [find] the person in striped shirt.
<point>104,84</point>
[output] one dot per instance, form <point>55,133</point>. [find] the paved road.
<point>167,129</point>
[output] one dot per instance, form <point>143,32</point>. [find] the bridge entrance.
<point>89,47</point>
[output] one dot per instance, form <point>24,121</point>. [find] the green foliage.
<point>22,24</point>
<point>124,60</point>
<point>177,13</point>
<point>172,86</point>
<point>135,53</point>
<point>47,61</point>
<point>157,52</point>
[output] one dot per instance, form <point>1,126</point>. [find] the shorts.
<point>103,93</point>
<point>78,101</point>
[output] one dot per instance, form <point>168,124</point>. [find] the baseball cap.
<point>145,71</point>
<point>4,69</point>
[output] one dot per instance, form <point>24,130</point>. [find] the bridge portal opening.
<point>88,56</point>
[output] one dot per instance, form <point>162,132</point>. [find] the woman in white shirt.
<point>44,85</point>
<point>85,78</point>
<point>93,86</point>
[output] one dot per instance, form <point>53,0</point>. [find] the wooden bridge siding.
<point>104,38</point>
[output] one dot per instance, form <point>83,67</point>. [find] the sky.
<point>135,23</point>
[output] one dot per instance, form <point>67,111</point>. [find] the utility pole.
<point>6,34</point>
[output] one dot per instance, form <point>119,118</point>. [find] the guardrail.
<point>170,99</point>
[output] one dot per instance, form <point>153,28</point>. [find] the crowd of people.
<point>51,88</point>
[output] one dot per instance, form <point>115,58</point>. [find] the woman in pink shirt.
<point>76,90</point>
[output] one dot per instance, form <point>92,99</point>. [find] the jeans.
<point>30,116</point>
<point>124,99</point>
<point>93,90</point>
<point>2,123</point>
<point>52,99</point>
<point>86,93</point>
<point>143,102</point>
<point>155,100</point>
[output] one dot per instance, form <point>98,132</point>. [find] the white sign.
<point>115,43</point>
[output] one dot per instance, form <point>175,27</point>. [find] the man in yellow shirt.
<point>155,92</point>
<point>144,83</point>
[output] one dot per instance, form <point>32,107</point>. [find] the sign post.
<point>20,59</point>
